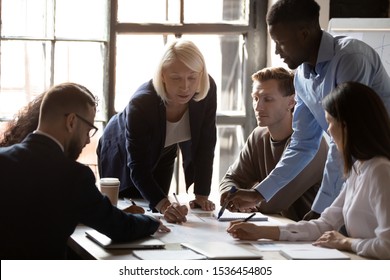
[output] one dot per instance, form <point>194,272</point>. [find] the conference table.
<point>201,226</point>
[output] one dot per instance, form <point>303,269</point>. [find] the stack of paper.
<point>315,253</point>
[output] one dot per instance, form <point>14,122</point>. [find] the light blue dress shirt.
<point>340,59</point>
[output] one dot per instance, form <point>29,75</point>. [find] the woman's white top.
<point>363,206</point>
<point>180,131</point>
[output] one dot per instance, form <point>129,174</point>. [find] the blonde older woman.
<point>177,108</point>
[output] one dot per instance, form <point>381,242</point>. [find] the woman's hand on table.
<point>249,231</point>
<point>334,239</point>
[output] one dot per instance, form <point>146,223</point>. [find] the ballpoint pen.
<point>249,217</point>
<point>129,200</point>
<point>178,203</point>
<point>174,195</point>
<point>232,190</point>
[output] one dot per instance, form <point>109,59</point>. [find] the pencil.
<point>249,217</point>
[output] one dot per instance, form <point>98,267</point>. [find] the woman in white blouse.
<point>359,125</point>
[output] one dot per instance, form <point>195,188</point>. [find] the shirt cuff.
<point>161,204</point>
<point>355,245</point>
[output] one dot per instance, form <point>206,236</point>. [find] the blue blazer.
<point>45,195</point>
<point>134,139</point>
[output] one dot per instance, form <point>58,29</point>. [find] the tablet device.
<point>104,241</point>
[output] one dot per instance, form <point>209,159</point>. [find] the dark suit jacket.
<point>134,139</point>
<point>44,195</point>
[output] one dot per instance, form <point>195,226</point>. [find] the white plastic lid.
<point>109,181</point>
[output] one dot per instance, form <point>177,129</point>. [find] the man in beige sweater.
<point>273,102</point>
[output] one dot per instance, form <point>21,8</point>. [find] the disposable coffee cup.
<point>110,188</point>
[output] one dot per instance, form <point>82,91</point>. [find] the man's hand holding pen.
<point>243,200</point>
<point>175,212</point>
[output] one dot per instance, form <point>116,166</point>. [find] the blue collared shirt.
<point>340,59</point>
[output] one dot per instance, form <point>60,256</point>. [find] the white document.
<point>144,243</point>
<point>168,255</point>
<point>223,251</point>
<point>315,253</point>
<point>273,246</point>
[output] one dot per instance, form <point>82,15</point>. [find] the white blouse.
<point>177,132</point>
<point>363,206</point>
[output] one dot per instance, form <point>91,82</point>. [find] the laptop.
<point>224,251</point>
<point>104,241</point>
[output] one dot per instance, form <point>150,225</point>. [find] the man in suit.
<point>45,193</point>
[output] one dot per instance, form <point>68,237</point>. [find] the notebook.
<point>223,251</point>
<point>231,216</point>
<point>316,253</point>
<point>149,242</point>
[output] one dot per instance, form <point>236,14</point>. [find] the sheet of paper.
<point>277,246</point>
<point>221,250</point>
<point>168,255</point>
<point>299,250</point>
<point>314,253</point>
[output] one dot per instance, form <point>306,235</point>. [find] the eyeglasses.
<point>93,129</point>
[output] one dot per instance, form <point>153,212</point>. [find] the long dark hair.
<point>23,123</point>
<point>360,110</point>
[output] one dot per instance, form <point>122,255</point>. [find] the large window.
<point>46,42</point>
<point>112,47</point>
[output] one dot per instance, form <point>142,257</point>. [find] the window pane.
<point>27,18</point>
<point>83,63</point>
<point>152,11</point>
<point>223,55</point>
<point>86,19</point>
<point>230,142</point>
<point>198,11</point>
<point>137,57</point>
<point>25,73</point>
<point>88,155</point>
<point>195,11</point>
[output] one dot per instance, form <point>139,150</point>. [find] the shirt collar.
<point>51,137</point>
<point>325,53</point>
<point>326,50</point>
